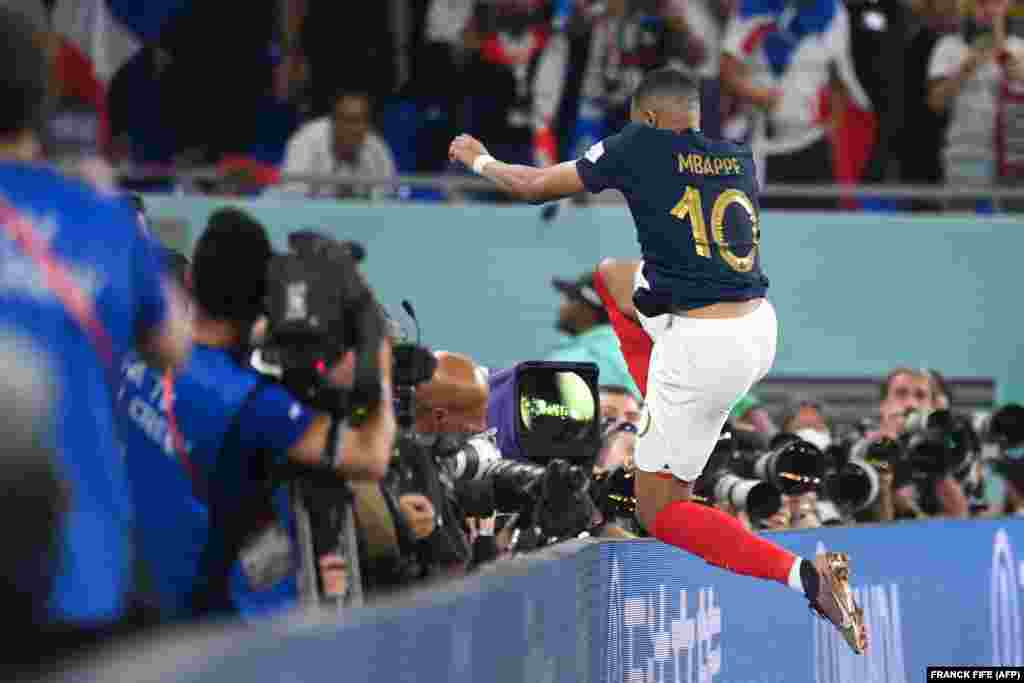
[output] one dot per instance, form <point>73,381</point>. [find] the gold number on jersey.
<point>690,207</point>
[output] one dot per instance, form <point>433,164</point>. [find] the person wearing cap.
<point>583,317</point>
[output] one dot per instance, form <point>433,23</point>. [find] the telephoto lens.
<point>759,499</point>
<point>793,468</point>
<point>854,486</point>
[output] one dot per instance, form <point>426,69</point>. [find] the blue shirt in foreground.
<point>99,242</point>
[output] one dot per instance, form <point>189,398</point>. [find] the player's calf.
<point>666,511</point>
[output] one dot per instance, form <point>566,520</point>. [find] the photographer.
<point>452,412</point>
<point>217,535</point>
<point>924,456</point>
<point>615,460</point>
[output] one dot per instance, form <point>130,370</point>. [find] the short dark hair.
<point>671,83</point>
<point>229,272</point>
<point>896,372</point>
<point>24,74</point>
<point>342,93</point>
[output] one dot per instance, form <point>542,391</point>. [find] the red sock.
<point>722,540</point>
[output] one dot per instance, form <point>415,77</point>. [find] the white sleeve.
<point>382,163</point>
<point>838,45</point>
<point>549,81</point>
<point>947,57</point>
<point>299,157</point>
<point>593,79</point>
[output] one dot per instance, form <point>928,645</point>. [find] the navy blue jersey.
<point>694,201</point>
<point>98,242</point>
<point>233,427</point>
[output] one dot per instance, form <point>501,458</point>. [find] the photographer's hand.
<point>885,506</point>
<point>951,498</point>
<point>364,451</point>
<point>905,502</point>
<point>343,374</point>
<point>419,514</point>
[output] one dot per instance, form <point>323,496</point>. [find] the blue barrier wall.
<point>942,592</point>
<point>856,293</point>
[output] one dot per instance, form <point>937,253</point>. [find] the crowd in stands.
<point>855,91</point>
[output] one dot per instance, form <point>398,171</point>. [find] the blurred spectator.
<point>512,94</point>
<point>749,416</point>
<point>968,76</point>
<point>627,39</point>
<point>219,72</point>
<point>701,25</point>
<point>921,139</point>
<point>142,123</point>
<point>87,323</point>
<point>347,47</point>
<point>808,419</point>
<point>619,403</point>
<point>583,317</point>
<point>780,58</point>
<point>867,143</point>
<point>341,143</point>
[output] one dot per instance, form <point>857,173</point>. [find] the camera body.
<point>318,306</point>
<point>1002,434</point>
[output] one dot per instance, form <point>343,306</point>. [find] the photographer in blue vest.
<point>216,529</point>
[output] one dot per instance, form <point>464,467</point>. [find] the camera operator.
<point>217,533</point>
<point>615,459</point>
<point>906,392</point>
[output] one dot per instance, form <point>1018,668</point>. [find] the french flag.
<point>97,37</point>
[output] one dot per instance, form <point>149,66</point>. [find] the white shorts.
<point>699,369</point>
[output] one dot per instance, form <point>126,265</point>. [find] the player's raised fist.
<point>466,149</point>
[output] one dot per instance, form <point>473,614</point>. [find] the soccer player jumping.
<point>700,296</point>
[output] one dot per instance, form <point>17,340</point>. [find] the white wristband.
<point>480,162</point>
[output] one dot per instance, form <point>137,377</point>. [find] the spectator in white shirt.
<point>780,56</point>
<point>340,144</point>
<point>966,75</point>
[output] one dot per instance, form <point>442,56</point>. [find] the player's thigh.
<point>699,369</point>
<point>764,336</point>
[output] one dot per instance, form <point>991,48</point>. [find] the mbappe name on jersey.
<point>698,164</point>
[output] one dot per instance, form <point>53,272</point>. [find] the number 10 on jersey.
<point>690,207</point>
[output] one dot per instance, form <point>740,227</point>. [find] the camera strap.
<point>178,440</point>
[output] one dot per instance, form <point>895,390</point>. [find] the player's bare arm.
<point>531,184</point>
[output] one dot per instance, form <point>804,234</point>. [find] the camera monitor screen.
<point>558,410</point>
